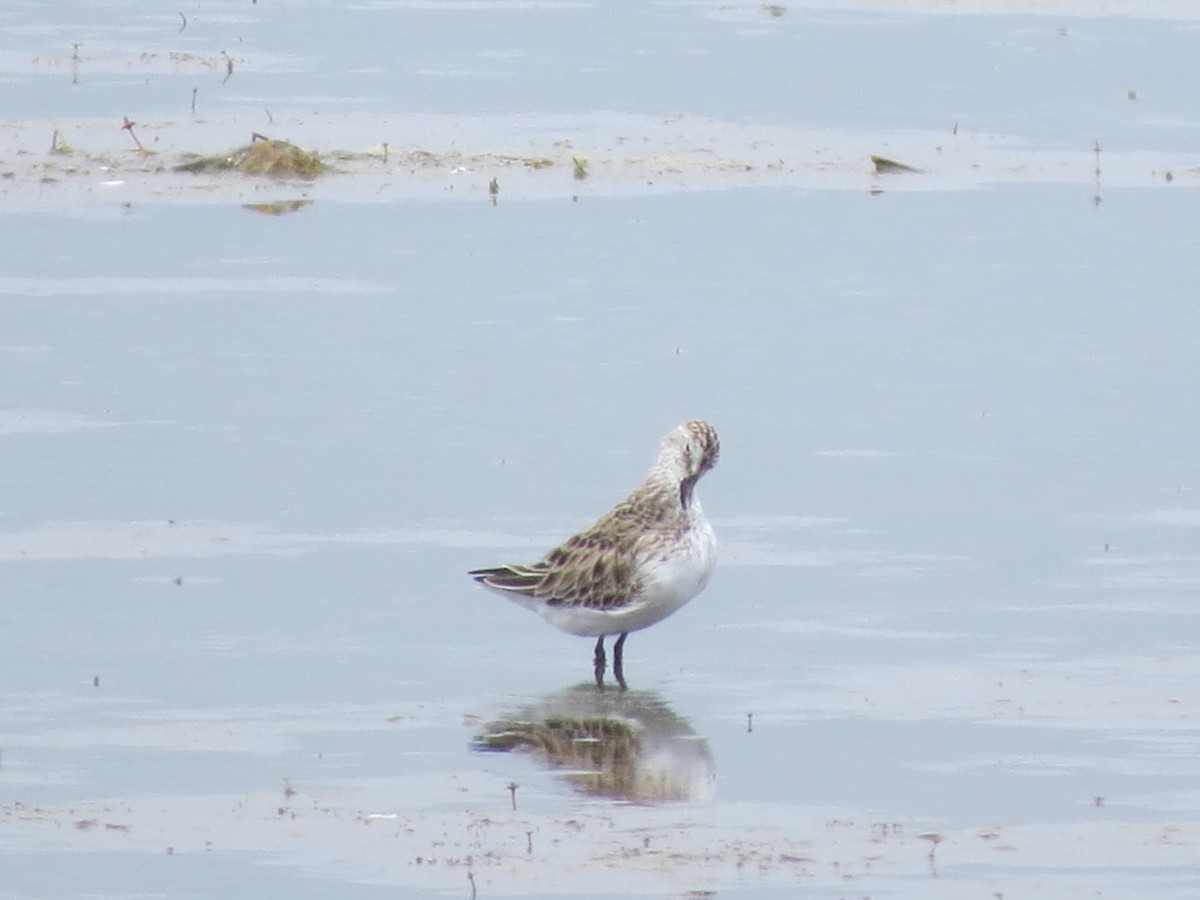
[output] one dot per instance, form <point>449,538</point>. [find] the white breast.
<point>675,574</point>
<point>671,574</point>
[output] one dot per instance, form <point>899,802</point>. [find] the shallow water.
<point>248,460</point>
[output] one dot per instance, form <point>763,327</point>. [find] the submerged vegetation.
<point>262,156</point>
<point>885,166</point>
<point>277,207</point>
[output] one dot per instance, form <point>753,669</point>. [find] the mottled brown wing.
<point>595,568</point>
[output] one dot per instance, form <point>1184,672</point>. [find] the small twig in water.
<point>512,789</point>
<point>195,91</point>
<point>471,878</point>
<point>184,25</point>
<point>128,126</point>
<point>228,67</point>
<point>934,839</point>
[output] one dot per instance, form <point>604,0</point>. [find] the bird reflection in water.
<point>628,746</point>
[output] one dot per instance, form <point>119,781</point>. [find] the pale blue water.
<point>1061,79</point>
<point>956,497</point>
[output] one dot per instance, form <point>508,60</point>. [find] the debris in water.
<point>263,156</point>
<point>885,166</point>
<point>129,126</point>
<point>60,146</point>
<point>278,207</point>
<point>934,839</point>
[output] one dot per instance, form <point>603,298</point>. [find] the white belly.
<point>670,579</point>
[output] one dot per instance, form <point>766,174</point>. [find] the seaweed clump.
<point>262,156</point>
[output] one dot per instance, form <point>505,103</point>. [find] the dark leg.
<point>599,661</point>
<point>618,667</point>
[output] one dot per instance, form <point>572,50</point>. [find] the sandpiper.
<point>641,561</point>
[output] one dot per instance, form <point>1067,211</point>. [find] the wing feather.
<point>596,568</point>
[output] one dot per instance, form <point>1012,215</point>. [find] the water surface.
<point>950,649</point>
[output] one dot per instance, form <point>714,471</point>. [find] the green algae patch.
<point>262,156</point>
<point>885,166</point>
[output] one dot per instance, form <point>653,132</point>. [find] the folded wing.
<point>595,569</point>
